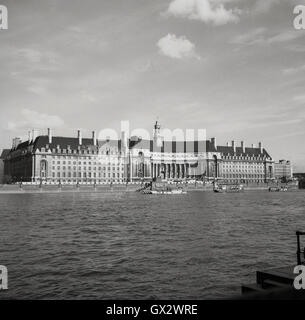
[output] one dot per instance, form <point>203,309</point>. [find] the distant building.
<point>80,160</point>
<point>283,170</point>
<point>301,178</point>
<point>2,157</point>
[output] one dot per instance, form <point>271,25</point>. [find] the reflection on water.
<point>106,246</point>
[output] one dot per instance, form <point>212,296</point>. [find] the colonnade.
<point>170,170</point>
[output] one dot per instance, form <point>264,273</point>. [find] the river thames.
<point>131,246</point>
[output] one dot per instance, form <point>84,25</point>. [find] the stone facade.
<point>78,160</point>
<point>283,170</point>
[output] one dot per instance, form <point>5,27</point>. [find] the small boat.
<point>274,189</point>
<point>228,188</point>
<point>218,189</point>
<point>180,191</point>
<point>162,187</point>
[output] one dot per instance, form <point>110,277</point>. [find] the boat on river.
<point>222,188</point>
<point>278,189</point>
<point>159,187</point>
<point>179,191</point>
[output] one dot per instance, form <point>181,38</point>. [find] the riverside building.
<point>283,170</point>
<point>51,159</point>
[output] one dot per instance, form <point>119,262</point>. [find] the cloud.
<point>252,37</point>
<point>177,47</point>
<point>293,71</point>
<point>264,6</point>
<point>33,119</point>
<point>87,96</point>
<point>37,89</point>
<point>285,36</point>
<point>299,98</point>
<point>258,36</point>
<point>208,11</point>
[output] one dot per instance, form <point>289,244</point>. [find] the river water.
<point>130,246</point>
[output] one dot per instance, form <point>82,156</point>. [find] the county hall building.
<point>52,159</point>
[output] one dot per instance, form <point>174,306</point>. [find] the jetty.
<point>276,283</point>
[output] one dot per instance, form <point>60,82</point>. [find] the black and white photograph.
<point>152,150</point>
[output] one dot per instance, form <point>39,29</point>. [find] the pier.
<point>276,283</point>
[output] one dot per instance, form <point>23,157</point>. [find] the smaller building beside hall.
<point>283,170</point>
<point>3,155</point>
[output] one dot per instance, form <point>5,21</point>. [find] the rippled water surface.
<point>130,246</point>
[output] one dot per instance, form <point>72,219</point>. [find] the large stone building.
<point>283,170</point>
<point>3,155</point>
<point>77,160</point>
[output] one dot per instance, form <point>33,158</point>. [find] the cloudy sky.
<point>233,67</point>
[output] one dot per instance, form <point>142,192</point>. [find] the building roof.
<point>228,151</point>
<point>172,146</point>
<point>138,143</point>
<point>63,142</point>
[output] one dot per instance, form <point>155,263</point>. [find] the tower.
<point>157,135</point>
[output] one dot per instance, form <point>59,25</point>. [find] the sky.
<point>233,67</point>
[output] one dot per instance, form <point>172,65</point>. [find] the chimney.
<point>228,144</point>
<point>34,134</point>
<point>253,145</point>
<point>243,147</point>
<point>16,142</point>
<point>94,137</point>
<point>30,136</point>
<point>79,136</point>
<point>50,135</point>
<point>234,146</point>
<point>214,142</point>
<point>123,140</point>
<point>260,145</point>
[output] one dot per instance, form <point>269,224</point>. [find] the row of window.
<point>243,170</point>
<point>243,176</point>
<point>85,175</point>
<point>87,168</point>
<point>69,151</point>
<point>84,163</point>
